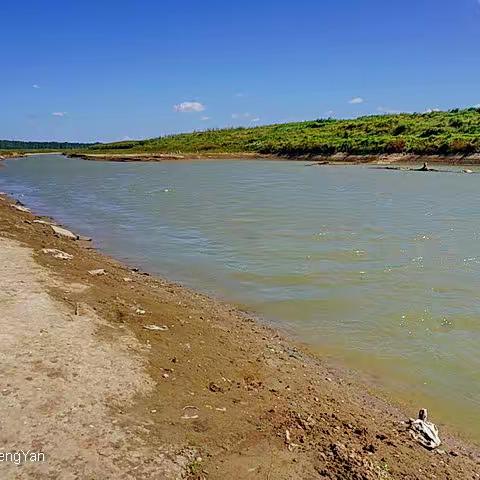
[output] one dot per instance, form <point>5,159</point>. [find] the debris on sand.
<point>156,328</point>
<point>425,432</point>
<point>57,253</point>
<point>63,232</point>
<point>97,272</point>
<point>288,441</point>
<point>190,412</point>
<point>213,387</point>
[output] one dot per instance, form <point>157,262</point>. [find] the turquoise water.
<point>380,269</point>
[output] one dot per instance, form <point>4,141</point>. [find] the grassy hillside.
<point>455,131</point>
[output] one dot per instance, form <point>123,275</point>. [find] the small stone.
<point>213,387</point>
<point>97,272</point>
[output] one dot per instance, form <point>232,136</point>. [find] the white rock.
<point>98,271</point>
<point>42,222</point>
<point>156,328</point>
<point>57,253</point>
<point>21,208</point>
<point>64,232</point>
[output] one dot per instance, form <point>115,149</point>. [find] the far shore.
<point>154,380</point>
<point>337,159</point>
<point>313,160</point>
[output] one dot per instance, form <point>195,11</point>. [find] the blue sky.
<point>109,70</point>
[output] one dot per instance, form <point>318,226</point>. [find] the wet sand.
<point>114,373</point>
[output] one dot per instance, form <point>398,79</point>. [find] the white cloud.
<point>241,94</point>
<point>255,120</point>
<point>189,107</point>
<point>59,114</point>
<point>330,113</point>
<point>356,100</point>
<point>431,110</point>
<point>35,86</point>
<point>205,119</point>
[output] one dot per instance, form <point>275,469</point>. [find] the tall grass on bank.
<point>443,133</point>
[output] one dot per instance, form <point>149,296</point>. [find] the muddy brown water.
<point>377,268</point>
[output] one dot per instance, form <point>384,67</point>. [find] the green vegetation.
<point>452,132</point>
<point>10,145</point>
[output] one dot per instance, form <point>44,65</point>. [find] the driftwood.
<point>317,163</point>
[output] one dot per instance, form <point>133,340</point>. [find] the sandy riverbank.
<point>341,159</point>
<point>210,394</point>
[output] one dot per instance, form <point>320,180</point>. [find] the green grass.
<point>443,133</point>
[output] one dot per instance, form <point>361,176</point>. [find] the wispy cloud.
<point>35,86</point>
<point>59,114</point>
<point>388,110</point>
<point>189,107</point>
<point>205,119</point>
<point>242,94</point>
<point>236,116</point>
<point>356,100</point>
<point>255,120</point>
<point>431,110</point>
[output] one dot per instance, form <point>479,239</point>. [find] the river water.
<point>377,268</point>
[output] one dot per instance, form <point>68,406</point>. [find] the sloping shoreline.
<point>228,397</point>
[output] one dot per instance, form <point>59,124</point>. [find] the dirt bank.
<point>5,155</point>
<point>342,159</point>
<point>159,157</point>
<point>117,374</point>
